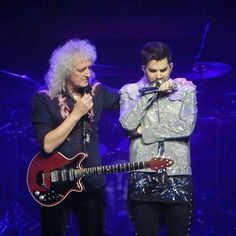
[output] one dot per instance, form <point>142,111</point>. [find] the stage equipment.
<point>22,77</point>
<point>208,70</point>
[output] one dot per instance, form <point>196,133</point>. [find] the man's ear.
<point>171,66</point>
<point>143,68</point>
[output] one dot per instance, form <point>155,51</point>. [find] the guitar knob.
<point>37,193</point>
<point>41,197</point>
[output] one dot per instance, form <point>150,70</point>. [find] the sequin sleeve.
<point>176,121</point>
<point>133,107</point>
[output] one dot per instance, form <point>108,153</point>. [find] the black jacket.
<point>47,115</point>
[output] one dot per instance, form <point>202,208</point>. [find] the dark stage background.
<point>197,31</point>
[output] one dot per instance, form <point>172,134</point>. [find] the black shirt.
<point>48,113</point>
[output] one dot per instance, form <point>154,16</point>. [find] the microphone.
<point>88,119</point>
<point>148,90</point>
<point>155,88</point>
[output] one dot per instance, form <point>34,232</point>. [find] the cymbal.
<point>208,70</point>
<point>22,77</point>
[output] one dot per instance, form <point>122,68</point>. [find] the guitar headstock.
<point>157,163</point>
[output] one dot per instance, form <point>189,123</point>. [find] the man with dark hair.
<point>159,114</point>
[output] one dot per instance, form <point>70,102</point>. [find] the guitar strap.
<point>161,173</point>
<point>87,121</point>
<point>87,124</point>
<point>161,148</point>
<point>87,131</point>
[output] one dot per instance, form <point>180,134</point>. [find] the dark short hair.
<point>155,51</point>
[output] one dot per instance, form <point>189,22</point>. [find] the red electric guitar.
<point>50,178</point>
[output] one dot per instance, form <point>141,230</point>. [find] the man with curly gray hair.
<point>65,117</point>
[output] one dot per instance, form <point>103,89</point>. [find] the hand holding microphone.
<point>158,86</point>
<point>83,105</point>
<point>166,85</point>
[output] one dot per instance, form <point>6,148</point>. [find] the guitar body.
<point>39,179</point>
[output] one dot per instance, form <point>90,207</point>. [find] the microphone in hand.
<point>155,88</point>
<point>147,90</point>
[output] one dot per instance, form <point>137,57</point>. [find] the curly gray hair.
<point>62,63</point>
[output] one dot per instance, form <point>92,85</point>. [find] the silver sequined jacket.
<point>168,117</point>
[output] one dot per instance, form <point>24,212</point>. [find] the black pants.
<point>88,207</point>
<point>146,217</point>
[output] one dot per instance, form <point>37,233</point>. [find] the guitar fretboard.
<point>118,168</point>
<point>72,174</point>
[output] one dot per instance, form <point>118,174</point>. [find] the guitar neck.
<point>70,174</point>
<point>109,169</point>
